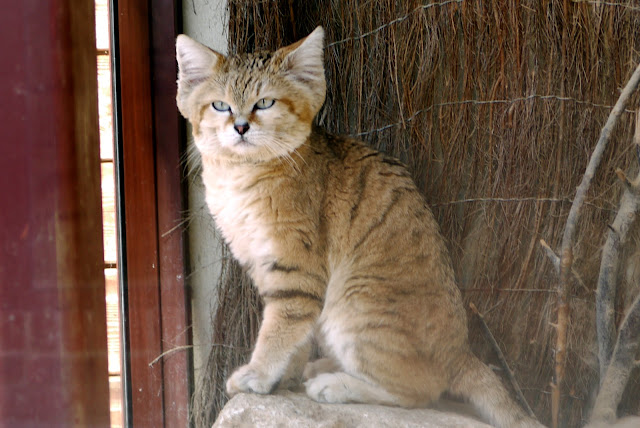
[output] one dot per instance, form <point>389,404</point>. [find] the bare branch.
<point>622,362</point>
<point>606,288</point>
<point>568,239</point>
<point>594,162</point>
<point>605,299</point>
<point>556,263</point>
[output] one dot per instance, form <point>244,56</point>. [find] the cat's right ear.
<point>196,63</point>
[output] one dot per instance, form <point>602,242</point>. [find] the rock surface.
<point>295,410</point>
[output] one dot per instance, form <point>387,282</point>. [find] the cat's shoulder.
<point>342,147</point>
<point>352,151</point>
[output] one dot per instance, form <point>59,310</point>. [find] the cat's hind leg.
<point>341,387</point>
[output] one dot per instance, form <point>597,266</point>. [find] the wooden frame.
<point>156,309</point>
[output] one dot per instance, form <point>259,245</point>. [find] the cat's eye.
<point>265,103</point>
<point>221,106</point>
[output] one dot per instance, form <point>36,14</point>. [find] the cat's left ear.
<point>196,64</point>
<point>303,60</point>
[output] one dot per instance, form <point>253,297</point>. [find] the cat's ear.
<point>196,63</point>
<point>303,60</point>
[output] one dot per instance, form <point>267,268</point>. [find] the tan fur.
<point>337,238</point>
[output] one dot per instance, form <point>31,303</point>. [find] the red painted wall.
<point>53,359</point>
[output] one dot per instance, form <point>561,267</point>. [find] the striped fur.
<point>336,236</point>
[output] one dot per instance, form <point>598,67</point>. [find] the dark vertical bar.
<point>120,217</point>
<point>53,357</point>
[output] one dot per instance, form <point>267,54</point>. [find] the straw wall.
<point>496,107</point>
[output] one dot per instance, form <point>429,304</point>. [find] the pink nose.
<point>241,128</point>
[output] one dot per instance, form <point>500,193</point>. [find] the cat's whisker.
<point>290,161</point>
<point>191,160</point>
<point>300,157</point>
<point>274,145</point>
<point>290,154</point>
<point>298,154</point>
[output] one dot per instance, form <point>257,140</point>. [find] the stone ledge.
<point>295,410</point>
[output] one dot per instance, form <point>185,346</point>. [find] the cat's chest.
<point>241,210</point>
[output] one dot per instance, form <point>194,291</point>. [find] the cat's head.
<point>251,107</point>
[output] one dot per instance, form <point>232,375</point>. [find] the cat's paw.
<point>250,379</point>
<point>327,388</point>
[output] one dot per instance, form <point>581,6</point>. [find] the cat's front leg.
<point>289,318</point>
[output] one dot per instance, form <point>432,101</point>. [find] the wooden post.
<point>158,316</point>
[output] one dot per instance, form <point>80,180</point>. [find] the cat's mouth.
<point>243,142</point>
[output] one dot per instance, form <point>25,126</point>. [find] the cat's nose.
<point>241,127</point>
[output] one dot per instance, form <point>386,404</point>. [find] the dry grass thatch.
<point>496,107</point>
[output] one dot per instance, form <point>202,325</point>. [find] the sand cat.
<point>336,237</point>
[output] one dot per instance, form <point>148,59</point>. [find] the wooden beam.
<point>140,272</point>
<point>170,140</point>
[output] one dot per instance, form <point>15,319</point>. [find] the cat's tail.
<point>476,383</point>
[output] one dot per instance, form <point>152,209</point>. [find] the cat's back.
<point>372,201</point>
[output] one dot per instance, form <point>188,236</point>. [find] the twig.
<point>185,347</point>
<point>503,361</point>
<point>169,352</point>
<point>555,260</point>
<point>566,254</point>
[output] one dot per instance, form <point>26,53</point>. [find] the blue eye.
<point>221,106</point>
<point>265,103</point>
